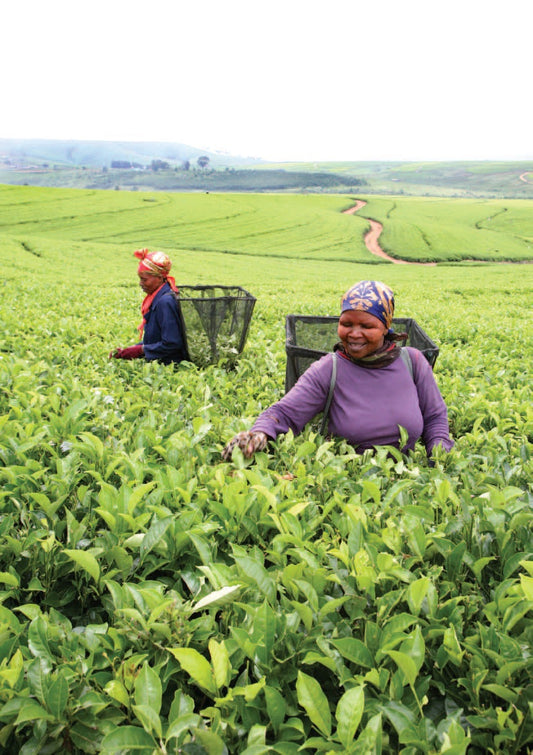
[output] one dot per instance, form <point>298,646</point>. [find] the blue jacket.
<point>162,339</point>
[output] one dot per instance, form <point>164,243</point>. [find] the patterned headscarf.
<point>373,297</point>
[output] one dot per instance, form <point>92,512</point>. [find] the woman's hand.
<point>130,352</point>
<point>249,442</point>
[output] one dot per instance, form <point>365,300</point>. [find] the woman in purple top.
<point>374,392</point>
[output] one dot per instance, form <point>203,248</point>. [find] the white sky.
<point>279,79</point>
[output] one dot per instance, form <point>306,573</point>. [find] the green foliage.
<point>156,599</point>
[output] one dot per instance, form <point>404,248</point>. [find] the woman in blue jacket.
<point>160,328</point>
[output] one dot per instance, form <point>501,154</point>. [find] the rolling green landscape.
<point>298,226</point>
<point>155,599</point>
<point>153,166</point>
<point>488,178</point>
<point>438,230</point>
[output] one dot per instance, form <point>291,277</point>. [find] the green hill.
<point>96,154</point>
<point>157,166</point>
<point>461,179</point>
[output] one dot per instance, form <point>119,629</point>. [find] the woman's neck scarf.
<point>376,299</point>
<point>155,263</point>
<point>385,355</point>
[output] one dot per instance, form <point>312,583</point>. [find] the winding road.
<point>372,236</point>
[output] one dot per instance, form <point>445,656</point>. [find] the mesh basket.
<point>307,338</point>
<point>215,322</point>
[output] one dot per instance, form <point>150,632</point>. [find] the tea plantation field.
<point>302,226</point>
<point>155,599</point>
<point>437,230</point>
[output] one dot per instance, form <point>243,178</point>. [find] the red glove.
<point>131,352</point>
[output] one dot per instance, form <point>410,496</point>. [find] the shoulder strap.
<point>324,424</point>
<point>406,359</point>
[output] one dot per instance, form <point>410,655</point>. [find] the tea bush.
<point>156,599</point>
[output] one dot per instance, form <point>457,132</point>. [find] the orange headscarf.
<point>156,263</point>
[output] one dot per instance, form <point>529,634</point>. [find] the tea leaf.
<point>349,713</point>
<point>504,692</point>
<point>198,668</point>
<point>154,535</point>
<point>406,664</point>
<point>38,640</point>
<point>312,698</point>
<point>148,690</point>
<point>416,593</point>
<point>257,572</point>
<point>86,561</point>
<point>57,697</point>
<point>117,691</point>
<point>276,707</point>
<point>148,718</point>
<point>9,579</point>
<point>221,663</point>
<point>30,710</point>
<point>129,739</point>
<point>354,650</point>
<point>527,586</point>
<point>217,598</point>
<point>138,494</point>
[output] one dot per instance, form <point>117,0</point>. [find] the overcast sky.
<point>281,80</point>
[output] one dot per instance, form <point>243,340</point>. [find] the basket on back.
<point>215,322</point>
<point>307,338</point>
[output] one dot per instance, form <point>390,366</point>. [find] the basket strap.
<point>330,395</point>
<point>406,359</point>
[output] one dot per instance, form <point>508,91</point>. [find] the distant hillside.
<point>192,180</point>
<point>97,154</point>
<point>489,178</point>
<point>160,166</point>
<point>151,166</point>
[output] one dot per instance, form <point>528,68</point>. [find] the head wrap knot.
<point>373,297</point>
<point>156,263</point>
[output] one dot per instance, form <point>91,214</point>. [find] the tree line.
<point>155,165</point>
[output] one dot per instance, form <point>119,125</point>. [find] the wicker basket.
<point>215,322</point>
<point>307,338</point>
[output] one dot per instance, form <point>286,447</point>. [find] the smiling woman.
<point>367,388</point>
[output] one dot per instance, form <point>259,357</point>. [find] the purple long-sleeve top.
<point>368,405</point>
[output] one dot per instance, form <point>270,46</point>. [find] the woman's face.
<point>361,333</point>
<point>149,283</point>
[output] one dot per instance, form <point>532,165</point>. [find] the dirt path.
<point>523,177</point>
<point>372,236</point>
